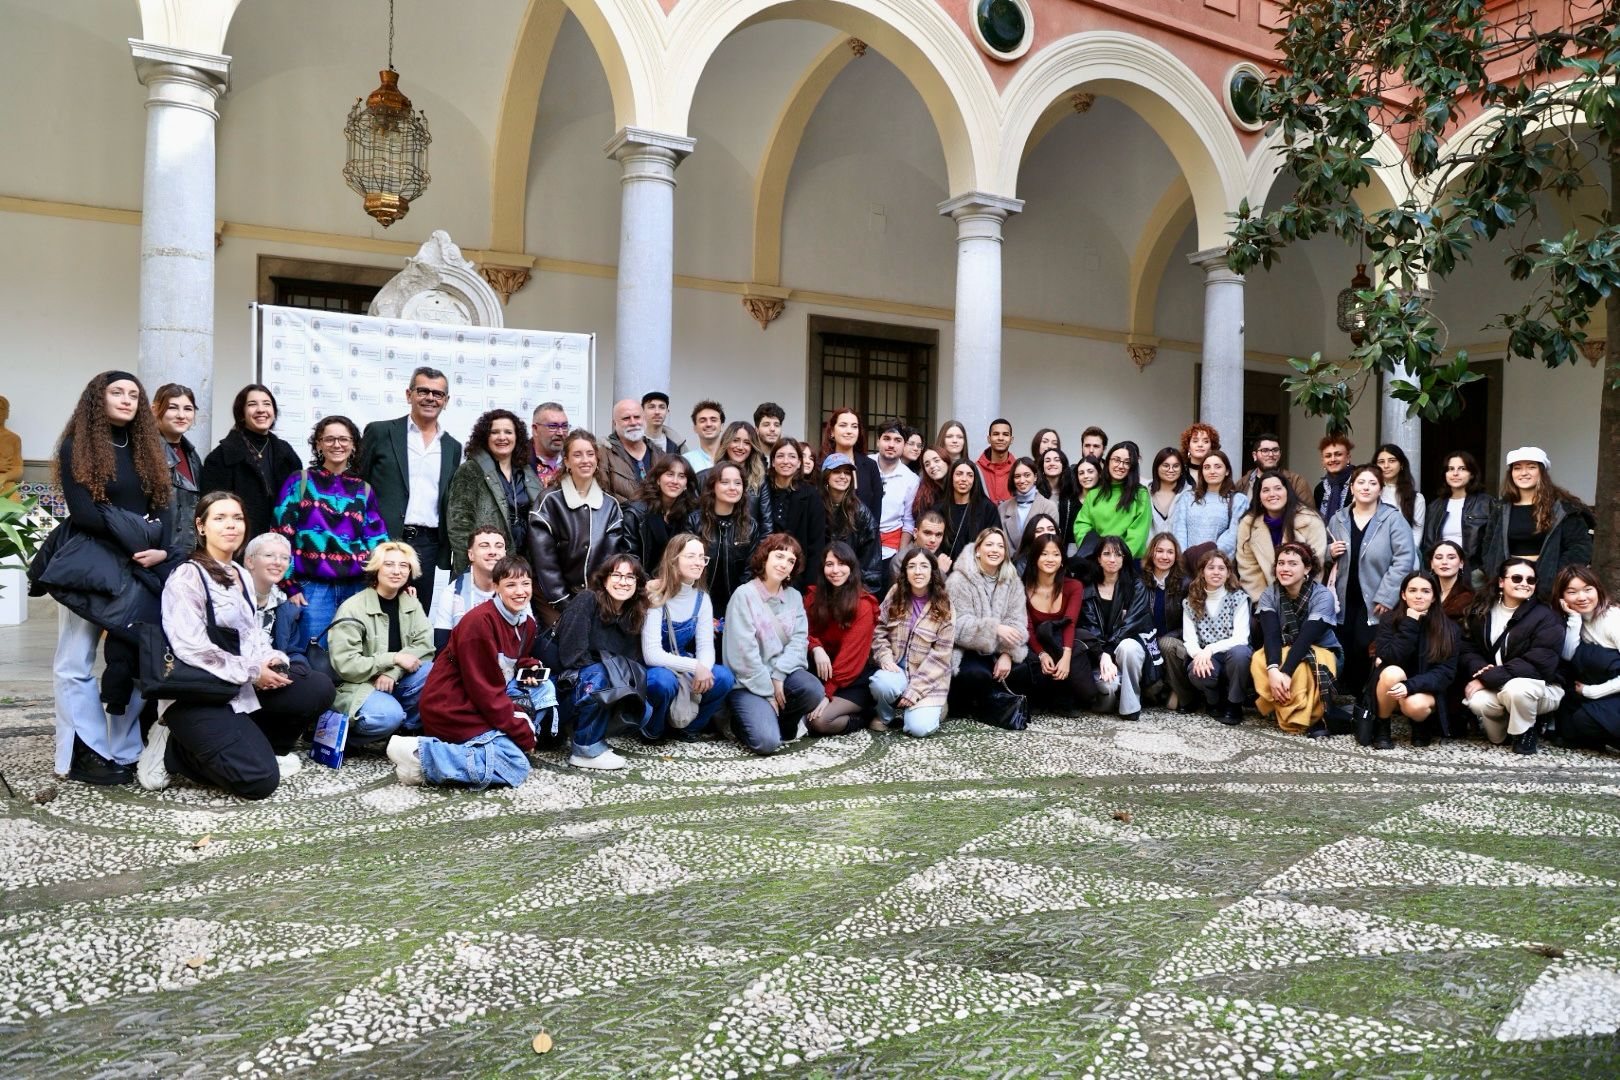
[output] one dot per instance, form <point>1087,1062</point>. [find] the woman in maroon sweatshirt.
<point>476,714</point>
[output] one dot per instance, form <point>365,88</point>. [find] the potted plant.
<point>24,525</point>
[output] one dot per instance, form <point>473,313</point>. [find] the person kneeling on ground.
<point>1414,663</point>
<point>992,630</point>
<point>1590,714</point>
<point>1511,647</point>
<point>1215,623</point>
<point>382,649</point>
<point>684,684</point>
<point>243,745</point>
<point>477,719</point>
<point>1114,615</point>
<point>1293,674</point>
<point>766,645</point>
<point>913,644</point>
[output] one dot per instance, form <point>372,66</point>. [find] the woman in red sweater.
<point>1055,674</point>
<point>842,616</point>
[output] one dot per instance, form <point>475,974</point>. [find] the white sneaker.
<point>803,732</point>
<point>150,772</point>
<point>288,764</point>
<point>607,761</point>
<point>407,765</point>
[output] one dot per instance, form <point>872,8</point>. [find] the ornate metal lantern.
<point>388,143</point>
<point>1352,317</point>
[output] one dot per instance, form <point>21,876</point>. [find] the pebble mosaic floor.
<point>1169,898</point>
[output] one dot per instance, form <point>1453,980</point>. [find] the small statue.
<point>11,455</point>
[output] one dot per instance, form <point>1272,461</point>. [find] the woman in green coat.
<point>1119,506</point>
<point>381,647</point>
<point>494,486</point>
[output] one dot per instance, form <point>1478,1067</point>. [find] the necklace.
<point>120,445</point>
<point>259,451</point>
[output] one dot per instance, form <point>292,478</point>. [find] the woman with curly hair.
<point>767,648</point>
<point>114,473</point>
<point>666,499</point>
<point>1196,444</point>
<point>494,486</point>
<point>330,518</point>
<point>252,460</point>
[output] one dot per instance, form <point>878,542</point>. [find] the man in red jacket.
<point>477,731</point>
<point>996,463</point>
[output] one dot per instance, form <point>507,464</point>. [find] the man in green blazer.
<point>408,461</point>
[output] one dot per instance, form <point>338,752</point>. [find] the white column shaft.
<point>1393,424</point>
<point>177,223</point>
<point>644,312</point>
<point>1220,386</point>
<point>976,369</point>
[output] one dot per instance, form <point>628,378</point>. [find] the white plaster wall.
<point>72,312</point>
<point>74,126</point>
<point>870,145</point>
<point>1558,411</point>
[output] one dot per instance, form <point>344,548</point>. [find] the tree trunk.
<point>1606,556</point>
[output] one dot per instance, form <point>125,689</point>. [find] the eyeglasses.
<point>621,576</point>
<point>430,392</point>
<point>698,558</point>
<point>1522,579</point>
<point>552,426</point>
<point>337,440</point>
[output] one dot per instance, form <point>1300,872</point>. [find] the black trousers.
<point>1591,723</point>
<point>425,542</point>
<point>1078,691</point>
<point>971,685</point>
<point>235,751</point>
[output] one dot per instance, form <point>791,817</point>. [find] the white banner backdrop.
<point>319,363</point>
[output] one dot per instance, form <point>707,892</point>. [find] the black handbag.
<point>165,677</point>
<point>626,684</point>
<point>319,654</point>
<point>1005,709</point>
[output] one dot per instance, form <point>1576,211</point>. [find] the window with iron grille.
<point>885,373</point>
<point>336,296</point>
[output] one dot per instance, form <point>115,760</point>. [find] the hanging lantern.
<point>1352,315</point>
<point>388,143</point>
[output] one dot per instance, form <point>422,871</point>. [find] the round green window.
<point>1003,27</point>
<point>1243,95</point>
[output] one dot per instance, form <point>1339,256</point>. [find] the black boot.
<point>1422,733</point>
<point>89,767</point>
<point>1230,714</point>
<point>1381,737</point>
<point>1525,743</point>
<point>1366,728</point>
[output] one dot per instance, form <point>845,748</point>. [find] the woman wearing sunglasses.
<point>1511,646</point>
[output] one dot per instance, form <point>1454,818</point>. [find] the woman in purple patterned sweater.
<point>330,518</point>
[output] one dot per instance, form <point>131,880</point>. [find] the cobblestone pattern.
<point>1085,899</point>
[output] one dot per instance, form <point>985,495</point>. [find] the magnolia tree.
<point>1546,77</point>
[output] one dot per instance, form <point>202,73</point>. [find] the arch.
<point>195,25</point>
<point>1154,250</point>
<point>1393,182</point>
<point>614,31</point>
<point>781,147</point>
<point>1157,86</point>
<point>921,40</point>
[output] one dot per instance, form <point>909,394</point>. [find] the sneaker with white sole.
<point>150,771</point>
<point>607,761</point>
<point>407,764</point>
<point>288,764</point>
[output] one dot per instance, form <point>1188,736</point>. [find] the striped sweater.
<point>332,524</point>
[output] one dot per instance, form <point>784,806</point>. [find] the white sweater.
<point>1602,629</point>
<point>678,608</point>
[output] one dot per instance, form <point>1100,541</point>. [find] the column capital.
<point>628,141</point>
<point>154,62</point>
<point>980,204</point>
<point>1212,261</point>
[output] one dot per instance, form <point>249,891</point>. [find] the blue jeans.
<point>79,711</point>
<point>490,759</point>
<point>887,688</point>
<point>591,719</point>
<point>382,714</point>
<point>324,598</point>
<point>662,686</point>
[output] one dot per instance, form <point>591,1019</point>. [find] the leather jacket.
<point>568,540</point>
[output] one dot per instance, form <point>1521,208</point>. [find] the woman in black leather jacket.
<point>727,529</point>
<point>575,529</point>
<point>788,503</point>
<point>849,520</point>
<point>667,498</point>
<point>1461,513</point>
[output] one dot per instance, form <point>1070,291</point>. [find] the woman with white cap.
<point>1537,520</point>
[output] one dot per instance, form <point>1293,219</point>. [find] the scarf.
<point>1334,488</point>
<point>1275,526</point>
<point>1294,610</point>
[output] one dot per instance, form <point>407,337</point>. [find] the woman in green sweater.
<point>1120,505</point>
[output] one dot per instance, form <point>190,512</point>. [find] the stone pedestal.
<point>644,312</point>
<point>1220,386</point>
<point>177,221</point>
<point>976,367</point>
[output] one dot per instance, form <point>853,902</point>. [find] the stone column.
<point>976,368</point>
<point>1393,425</point>
<point>1220,387</point>
<point>645,309</point>
<point>183,89</point>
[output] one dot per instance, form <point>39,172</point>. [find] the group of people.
<point>747,584</point>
